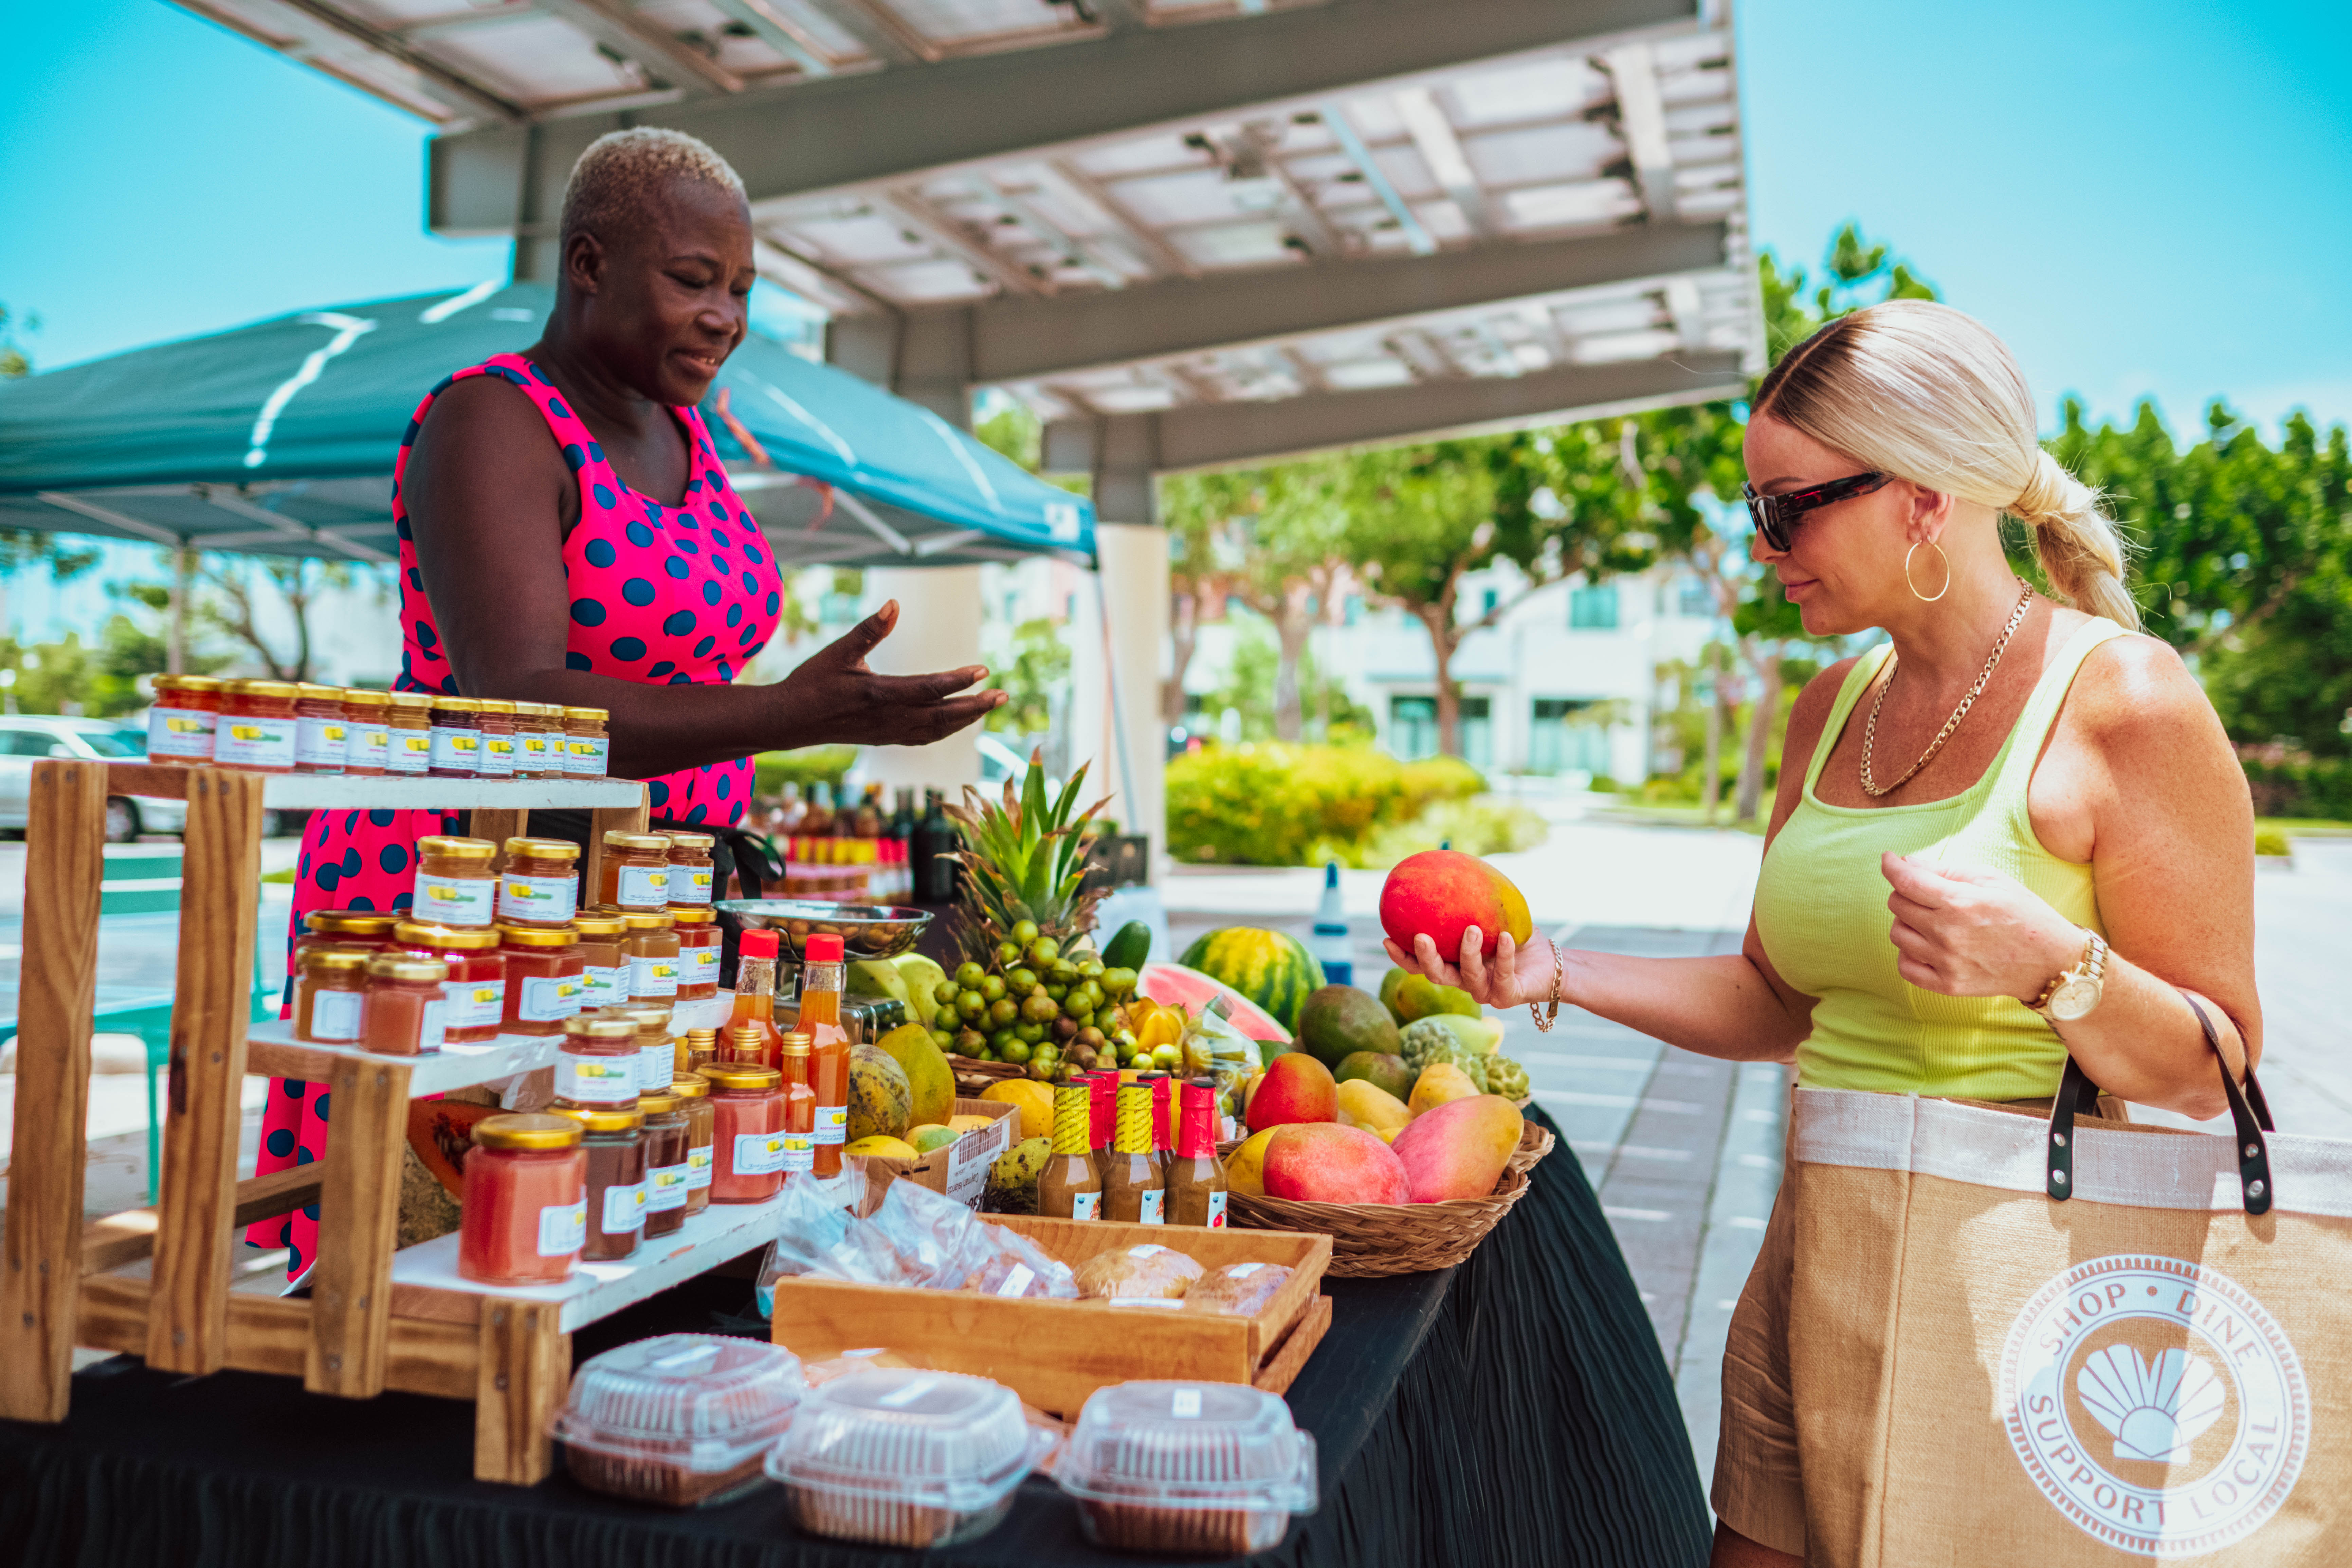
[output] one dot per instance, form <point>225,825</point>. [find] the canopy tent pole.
<point>175,646</point>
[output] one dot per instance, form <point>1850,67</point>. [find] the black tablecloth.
<point>1514,1411</point>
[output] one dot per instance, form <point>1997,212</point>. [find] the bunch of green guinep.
<point>1038,1007</point>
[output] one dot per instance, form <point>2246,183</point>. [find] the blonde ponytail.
<point>1918,389</point>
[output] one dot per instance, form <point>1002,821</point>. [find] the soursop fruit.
<point>1427,1042</point>
<point>1506,1077</point>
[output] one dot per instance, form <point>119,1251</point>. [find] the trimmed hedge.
<point>1278,804</point>
<point>2304,787</point>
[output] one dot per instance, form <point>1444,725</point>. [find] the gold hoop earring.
<point>1927,598</point>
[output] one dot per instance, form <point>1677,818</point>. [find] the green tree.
<point>1040,668</point>
<point>231,603</point>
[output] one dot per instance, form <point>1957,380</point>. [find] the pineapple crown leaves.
<point>1024,858</point>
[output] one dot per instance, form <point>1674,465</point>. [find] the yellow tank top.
<point>1821,913</point>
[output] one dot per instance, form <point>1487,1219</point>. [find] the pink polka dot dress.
<point>660,595</point>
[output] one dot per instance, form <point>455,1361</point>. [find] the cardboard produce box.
<point>960,1170</point>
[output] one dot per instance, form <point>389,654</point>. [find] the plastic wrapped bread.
<point>1237,1290</point>
<point>1146,1270</point>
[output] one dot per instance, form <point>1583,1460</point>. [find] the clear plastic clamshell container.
<point>1201,1469</point>
<point>682,1420</point>
<point>902,1456</point>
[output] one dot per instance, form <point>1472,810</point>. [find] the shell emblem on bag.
<point>2156,1404</point>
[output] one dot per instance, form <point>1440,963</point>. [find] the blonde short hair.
<point>623,171</point>
<point>1924,392</point>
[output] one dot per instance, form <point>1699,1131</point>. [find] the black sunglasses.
<point>1775,516</point>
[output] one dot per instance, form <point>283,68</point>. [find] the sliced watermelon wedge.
<point>1179,987</point>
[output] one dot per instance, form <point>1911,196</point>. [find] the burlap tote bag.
<point>2014,1343</point>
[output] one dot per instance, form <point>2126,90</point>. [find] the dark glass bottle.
<point>935,839</point>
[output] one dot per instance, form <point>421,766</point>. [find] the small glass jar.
<point>604,968</point>
<point>691,869</point>
<point>328,995</point>
<point>597,1063</point>
<point>657,1052</point>
<point>653,953</point>
<point>407,1007</point>
<point>615,1141</point>
<point>542,978</point>
<point>541,884</point>
<point>367,743</point>
<point>454,884</point>
<point>256,727</point>
<point>747,1108</point>
<point>539,740</point>
<point>702,1050</point>
<point>364,928</point>
<point>636,871</point>
<point>587,746</point>
<point>476,989</point>
<point>698,952</point>
<point>693,1092</point>
<point>497,755</point>
<point>408,732</point>
<point>321,729</point>
<point>523,1214</point>
<point>456,738</point>
<point>180,725</point>
<point>665,1116</point>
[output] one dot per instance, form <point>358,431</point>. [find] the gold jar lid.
<point>797,1042</point>
<point>649,920</point>
<point>335,959</point>
<point>693,915</point>
<point>657,1104</point>
<point>410,699</point>
<point>644,1020</point>
<point>622,838</point>
<point>691,840</point>
<point>349,923</point>
<point>365,697</point>
<point>497,705</point>
<point>588,715</point>
<point>527,1131</point>
<point>196,683</point>
<point>443,846</point>
<point>424,934</point>
<point>406,966</point>
<point>274,689</point>
<point>542,849</point>
<point>596,1026</point>
<point>599,922</point>
<point>692,1086</point>
<point>740,1075</point>
<point>308,691</point>
<point>458,704</point>
<point>695,1038</point>
<point>538,936</point>
<point>602,1119</point>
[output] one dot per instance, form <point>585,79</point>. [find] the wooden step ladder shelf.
<point>155,1281</point>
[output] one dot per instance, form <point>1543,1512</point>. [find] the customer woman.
<point>1971,810</point>
<point>568,536</point>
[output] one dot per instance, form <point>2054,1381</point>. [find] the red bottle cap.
<point>1104,1107</point>
<point>1161,1086</point>
<point>822,950</point>
<point>1196,1137</point>
<point>758,942</point>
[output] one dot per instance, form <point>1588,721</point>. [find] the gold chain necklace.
<point>1870,730</point>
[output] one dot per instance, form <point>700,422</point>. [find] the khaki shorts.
<point>1759,1490</point>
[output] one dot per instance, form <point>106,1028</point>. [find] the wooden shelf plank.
<point>272,1051</point>
<point>340,792</point>
<point>128,1237</point>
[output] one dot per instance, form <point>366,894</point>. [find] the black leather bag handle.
<point>2249,1112</point>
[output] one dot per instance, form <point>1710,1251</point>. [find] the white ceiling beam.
<point>460,92</point>
<point>1441,149</point>
<point>645,41</point>
<point>778,31</point>
<point>905,206</point>
<point>442,24</point>
<point>1417,239</point>
<point>878,31</point>
<point>1642,122</point>
<point>1164,258</point>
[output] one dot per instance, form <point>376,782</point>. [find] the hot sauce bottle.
<point>755,994</point>
<point>1070,1188</point>
<point>1196,1184</point>
<point>822,972</point>
<point>800,1102</point>
<point>1133,1189</point>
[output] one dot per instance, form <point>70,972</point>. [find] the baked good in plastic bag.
<point>679,1420</point>
<point>1146,1270</point>
<point>1017,1267</point>
<point>1237,1290</point>
<point>1206,1469</point>
<point>938,1242</point>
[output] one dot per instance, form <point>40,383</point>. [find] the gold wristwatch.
<point>2073,993</point>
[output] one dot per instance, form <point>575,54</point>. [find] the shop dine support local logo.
<point>2156,1404</point>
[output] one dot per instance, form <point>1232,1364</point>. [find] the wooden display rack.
<point>374,1319</point>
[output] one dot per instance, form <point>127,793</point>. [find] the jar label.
<point>549,900</point>
<point>653,977</point>
<point>642,888</point>
<point>1086,1205</point>
<point>800,1153</point>
<point>831,1124</point>
<point>534,751</point>
<point>456,901</point>
<point>498,756</point>
<point>181,732</point>
<point>689,884</point>
<point>335,1016</point>
<point>603,986</point>
<point>701,965</point>
<point>1216,1211</point>
<point>562,1228</point>
<point>474,1004</point>
<point>408,752</point>
<point>431,1025</point>
<point>625,1208</point>
<point>665,1189</point>
<point>656,1065</point>
<point>320,742</point>
<point>244,742</point>
<point>1153,1203</point>
<point>584,755</point>
<point>759,1153</point>
<point>698,1168</point>
<point>596,1080</point>
<point>455,750</point>
<point>548,998</point>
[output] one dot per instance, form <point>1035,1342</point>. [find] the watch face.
<point>2074,998</point>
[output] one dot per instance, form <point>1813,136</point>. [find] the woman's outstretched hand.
<point>1513,975</point>
<point>833,699</point>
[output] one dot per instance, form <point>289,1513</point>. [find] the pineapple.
<point>1023,861</point>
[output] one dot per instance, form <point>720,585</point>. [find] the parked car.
<point>26,739</point>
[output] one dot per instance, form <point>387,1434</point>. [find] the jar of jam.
<point>652,949</point>
<point>408,739</point>
<point>698,952</point>
<point>497,755</point>
<point>539,740</point>
<point>524,1216</point>
<point>476,989</point>
<point>328,994</point>
<point>456,738</point>
<point>598,1062</point>
<point>587,747</point>
<point>693,1092</point>
<point>747,1108</point>
<point>665,1116</point>
<point>256,727</point>
<point>407,1008</point>
<point>657,1052</point>
<point>691,869</point>
<point>366,742</point>
<point>321,732</point>
<point>542,978</point>
<point>636,871</point>
<point>603,967</point>
<point>180,725</point>
<point>363,928</point>
<point>614,1139</point>
<point>541,884</point>
<point>454,884</point>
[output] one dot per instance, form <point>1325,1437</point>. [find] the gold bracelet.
<point>1544,1020</point>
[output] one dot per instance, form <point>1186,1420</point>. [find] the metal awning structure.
<point>1185,232</point>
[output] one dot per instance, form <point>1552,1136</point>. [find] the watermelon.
<point>1190,989</point>
<point>1272,969</point>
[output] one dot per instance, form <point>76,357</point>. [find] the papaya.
<point>441,1132</point>
<point>881,1100</point>
<point>1337,1021</point>
<point>928,1076</point>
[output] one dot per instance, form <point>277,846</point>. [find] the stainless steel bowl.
<point>866,931</point>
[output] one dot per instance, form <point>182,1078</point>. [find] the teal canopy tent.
<point>278,438</point>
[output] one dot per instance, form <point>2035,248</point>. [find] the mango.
<point>1439,1084</point>
<point>1408,997</point>
<point>929,1077</point>
<point>1245,1166</point>
<point>1371,1107</point>
<point>1339,1020</point>
<point>1458,1150</point>
<point>967,1123</point>
<point>1327,1163</point>
<point>923,978</point>
<point>1385,1069</point>
<point>1294,1087</point>
<point>884,1148</point>
<point>1034,1100</point>
<point>1442,893</point>
<point>926,1139</point>
<point>881,978</point>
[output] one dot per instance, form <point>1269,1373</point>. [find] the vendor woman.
<point>568,536</point>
